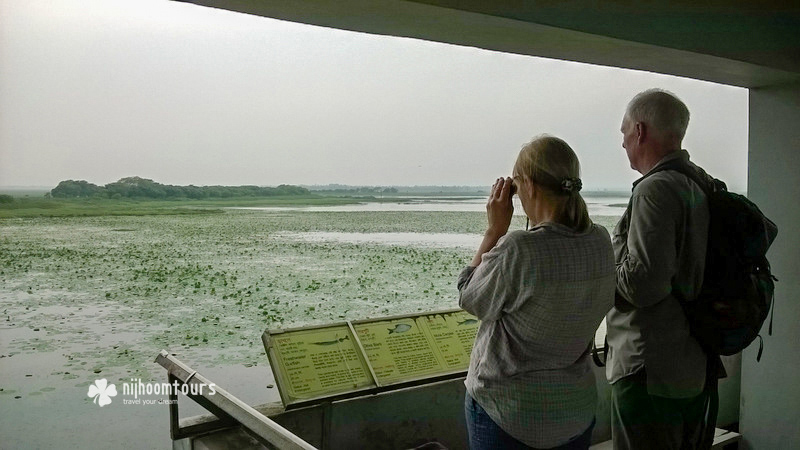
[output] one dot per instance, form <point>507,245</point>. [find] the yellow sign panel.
<point>312,363</point>
<point>414,347</point>
<point>453,335</point>
<point>319,362</point>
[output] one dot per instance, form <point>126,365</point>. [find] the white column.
<point>770,392</point>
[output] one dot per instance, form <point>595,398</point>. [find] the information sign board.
<point>346,358</point>
<point>410,348</point>
<point>318,362</point>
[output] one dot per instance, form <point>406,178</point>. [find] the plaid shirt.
<point>540,296</point>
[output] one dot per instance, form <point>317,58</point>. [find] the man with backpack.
<point>663,386</point>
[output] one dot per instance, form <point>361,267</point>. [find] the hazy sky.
<point>182,94</point>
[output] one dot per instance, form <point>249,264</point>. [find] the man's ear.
<point>641,132</point>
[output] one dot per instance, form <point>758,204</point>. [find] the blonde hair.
<point>550,163</point>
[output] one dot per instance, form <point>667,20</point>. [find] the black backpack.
<point>738,287</point>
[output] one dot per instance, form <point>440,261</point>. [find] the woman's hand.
<point>500,208</point>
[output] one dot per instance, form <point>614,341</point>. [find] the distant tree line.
<point>136,187</point>
<point>344,189</point>
<point>356,190</point>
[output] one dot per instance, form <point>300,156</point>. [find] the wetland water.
<point>598,206</point>
<point>99,297</point>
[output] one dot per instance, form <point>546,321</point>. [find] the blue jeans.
<point>484,434</point>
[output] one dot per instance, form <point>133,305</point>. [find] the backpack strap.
<point>683,167</point>
<point>595,352</point>
<point>772,307</point>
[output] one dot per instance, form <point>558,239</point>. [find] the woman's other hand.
<point>500,208</point>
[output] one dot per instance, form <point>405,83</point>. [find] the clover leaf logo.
<point>102,392</point>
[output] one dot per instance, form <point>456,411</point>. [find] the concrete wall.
<point>770,392</point>
<point>410,417</point>
<point>435,412</point>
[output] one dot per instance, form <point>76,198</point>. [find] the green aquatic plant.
<point>202,283</point>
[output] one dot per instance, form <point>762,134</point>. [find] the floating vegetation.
<point>107,293</point>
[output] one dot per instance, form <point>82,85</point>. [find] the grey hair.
<point>660,109</point>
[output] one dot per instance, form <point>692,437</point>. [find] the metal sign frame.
<point>375,385</point>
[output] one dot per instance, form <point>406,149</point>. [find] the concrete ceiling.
<point>737,42</point>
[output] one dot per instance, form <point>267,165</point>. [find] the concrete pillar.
<point>770,390</point>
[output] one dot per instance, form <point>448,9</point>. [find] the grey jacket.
<point>659,248</point>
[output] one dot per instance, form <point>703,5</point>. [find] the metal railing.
<point>230,410</point>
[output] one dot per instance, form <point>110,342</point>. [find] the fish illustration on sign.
<point>400,328</point>
<point>468,322</point>
<point>335,341</point>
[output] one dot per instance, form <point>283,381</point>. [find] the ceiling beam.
<point>511,26</point>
